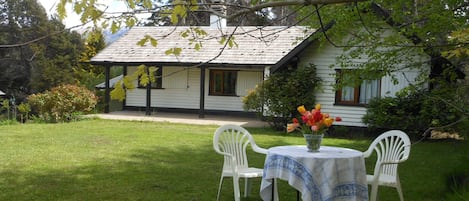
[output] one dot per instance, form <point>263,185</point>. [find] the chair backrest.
<point>232,141</point>
<point>391,147</point>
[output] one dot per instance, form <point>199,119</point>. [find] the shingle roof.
<point>255,46</point>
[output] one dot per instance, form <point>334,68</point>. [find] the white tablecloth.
<point>332,174</point>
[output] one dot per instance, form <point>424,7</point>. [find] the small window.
<point>356,95</point>
<point>223,82</point>
<point>158,80</point>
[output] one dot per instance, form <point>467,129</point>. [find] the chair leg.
<point>247,187</point>
<point>399,190</point>
<point>236,188</point>
<point>219,188</point>
<point>374,193</point>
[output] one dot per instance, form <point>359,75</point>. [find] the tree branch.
<point>280,4</point>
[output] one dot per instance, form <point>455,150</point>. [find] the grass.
<point>121,160</point>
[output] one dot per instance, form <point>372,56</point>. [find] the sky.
<point>72,18</point>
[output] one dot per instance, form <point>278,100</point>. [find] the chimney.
<point>217,21</point>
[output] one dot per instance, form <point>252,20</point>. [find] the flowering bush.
<point>63,103</point>
<point>312,121</point>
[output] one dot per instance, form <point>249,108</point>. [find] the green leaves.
<point>130,22</point>
<point>179,11</point>
<point>282,92</point>
<point>147,39</point>
<point>175,51</point>
<point>61,11</point>
<point>459,51</point>
<point>181,8</point>
<point>230,41</point>
<point>195,36</point>
<point>144,74</point>
<point>115,26</point>
<point>63,102</point>
<point>118,93</point>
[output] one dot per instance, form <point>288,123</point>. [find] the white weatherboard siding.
<point>179,90</point>
<point>323,58</point>
<point>246,81</point>
<point>182,90</point>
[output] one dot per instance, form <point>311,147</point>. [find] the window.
<point>356,95</point>
<point>223,82</point>
<point>158,80</point>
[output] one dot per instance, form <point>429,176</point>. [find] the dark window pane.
<point>223,82</point>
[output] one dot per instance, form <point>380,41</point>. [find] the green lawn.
<point>121,160</point>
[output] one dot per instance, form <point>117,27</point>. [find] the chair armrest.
<point>368,152</point>
<point>259,150</point>
<point>393,162</point>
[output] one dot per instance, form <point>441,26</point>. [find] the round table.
<point>333,173</point>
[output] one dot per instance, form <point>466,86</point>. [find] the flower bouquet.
<point>313,125</point>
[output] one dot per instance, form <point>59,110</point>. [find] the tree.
<point>176,10</point>
<point>419,26</point>
<point>85,73</point>
<point>36,53</point>
<point>55,57</point>
<point>20,21</point>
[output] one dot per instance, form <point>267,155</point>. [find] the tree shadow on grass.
<point>146,174</point>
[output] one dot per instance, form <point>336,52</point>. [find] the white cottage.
<point>212,78</point>
<point>349,102</point>
<point>216,77</point>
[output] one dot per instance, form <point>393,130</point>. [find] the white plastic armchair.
<point>231,141</point>
<point>392,148</point>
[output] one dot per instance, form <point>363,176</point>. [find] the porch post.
<point>107,96</point>
<point>148,106</point>
<point>202,92</point>
<point>124,73</point>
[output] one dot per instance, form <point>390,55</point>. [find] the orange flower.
<point>328,122</point>
<point>292,127</point>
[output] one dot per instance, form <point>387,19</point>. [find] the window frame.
<point>212,82</point>
<point>356,91</point>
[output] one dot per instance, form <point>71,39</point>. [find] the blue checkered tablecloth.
<point>332,174</point>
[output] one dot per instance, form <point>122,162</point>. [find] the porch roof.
<point>1,93</point>
<point>255,46</point>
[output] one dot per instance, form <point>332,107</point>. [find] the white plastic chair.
<point>392,148</point>
<point>231,141</point>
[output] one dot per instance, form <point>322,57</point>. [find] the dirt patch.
<point>437,135</point>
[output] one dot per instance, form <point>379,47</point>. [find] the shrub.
<point>414,112</point>
<point>62,103</point>
<point>278,97</point>
<point>24,109</point>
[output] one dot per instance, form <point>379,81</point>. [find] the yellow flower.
<point>301,109</point>
<point>317,107</point>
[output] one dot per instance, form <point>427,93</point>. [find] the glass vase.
<point>313,141</point>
